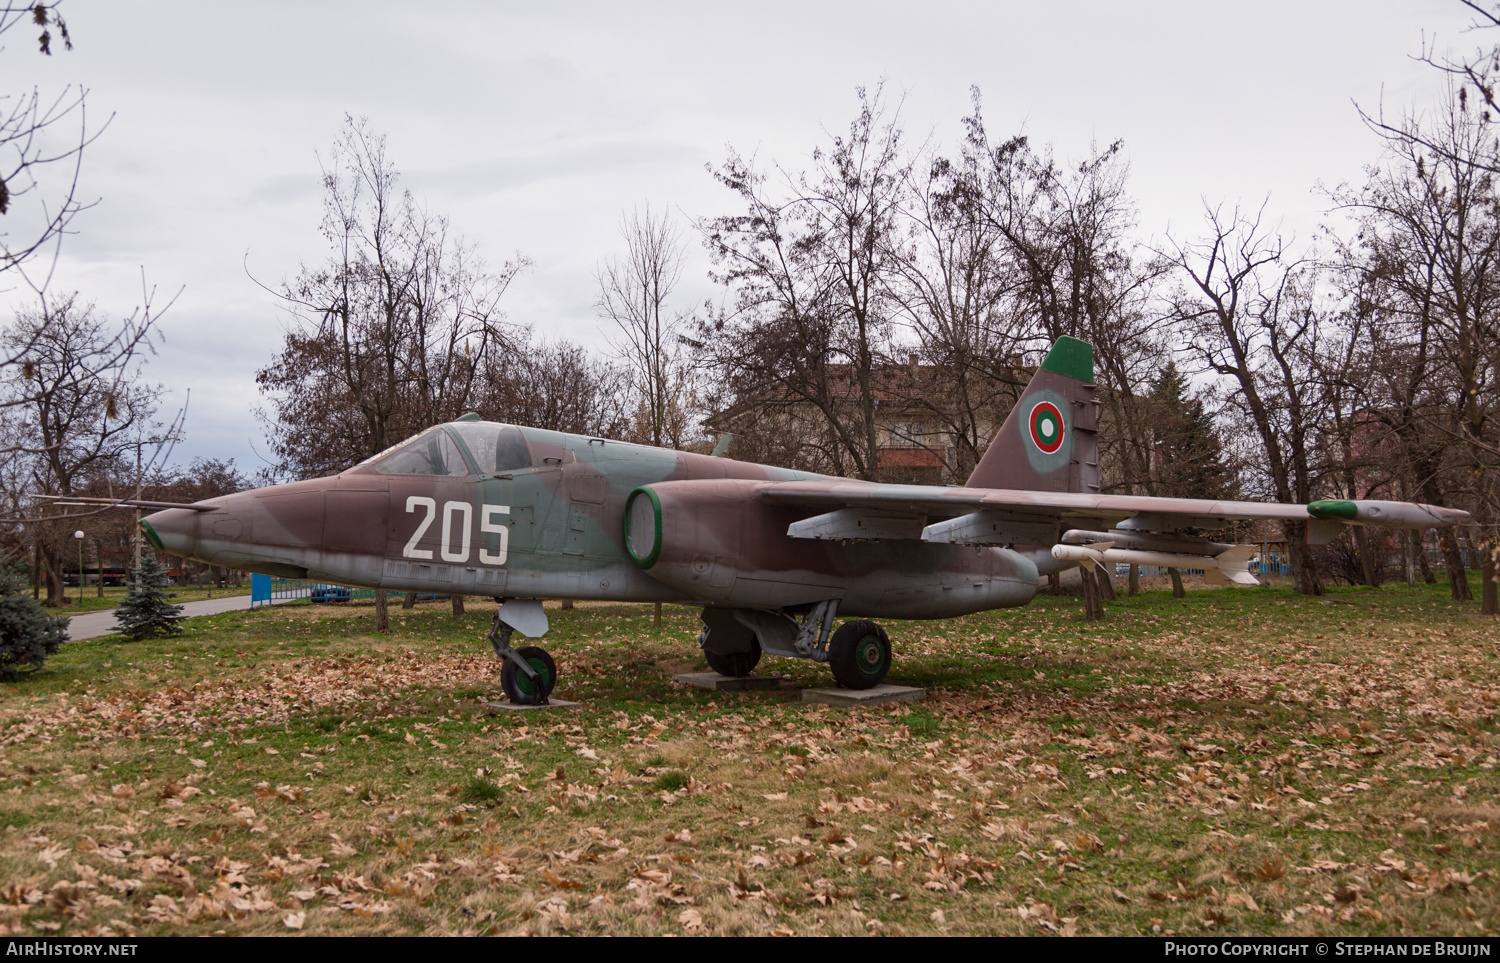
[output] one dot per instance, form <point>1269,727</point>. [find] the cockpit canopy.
<point>457,449</point>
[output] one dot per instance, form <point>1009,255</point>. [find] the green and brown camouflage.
<point>480,508</point>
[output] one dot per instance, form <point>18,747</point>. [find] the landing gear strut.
<point>528,673</point>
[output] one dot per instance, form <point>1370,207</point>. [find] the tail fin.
<point>1049,443</point>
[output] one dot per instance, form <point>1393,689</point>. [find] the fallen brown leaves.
<point>271,695</point>
<point>1158,778</point>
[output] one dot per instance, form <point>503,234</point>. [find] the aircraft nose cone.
<point>174,531</point>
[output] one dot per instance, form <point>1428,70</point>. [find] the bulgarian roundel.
<point>1046,427</point>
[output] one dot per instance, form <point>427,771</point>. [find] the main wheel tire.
<point>519,687</point>
<point>860,655</point>
<point>735,665</point>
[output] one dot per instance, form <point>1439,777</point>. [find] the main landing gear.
<point>729,646</point>
<point>859,653</point>
<point>528,673</point>
<point>735,665</point>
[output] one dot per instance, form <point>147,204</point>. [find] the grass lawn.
<point>115,594</point>
<point>1238,761</point>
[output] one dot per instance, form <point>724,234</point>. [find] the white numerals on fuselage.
<point>451,511</point>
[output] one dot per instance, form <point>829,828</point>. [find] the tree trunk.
<point>1093,606</point>
<point>1134,585</point>
<point>1453,559</point>
<point>1106,579</point>
<point>656,618</point>
<point>408,600</point>
<point>99,566</point>
<point>1054,583</point>
<point>567,604</point>
<point>1489,549</point>
<point>458,605</point>
<point>1365,550</point>
<point>1304,574</point>
<point>382,613</point>
<point>1428,575</point>
<point>1177,590</point>
<point>56,596</point>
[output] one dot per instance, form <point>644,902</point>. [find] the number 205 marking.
<point>451,510</point>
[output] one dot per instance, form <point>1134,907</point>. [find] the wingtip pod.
<point>1383,514</point>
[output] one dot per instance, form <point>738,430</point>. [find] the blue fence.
<point>267,590</point>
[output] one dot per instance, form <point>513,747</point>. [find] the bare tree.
<point>1068,231</point>
<point>956,290</point>
<point>809,264</point>
<point>1251,315</point>
<point>633,294</point>
<point>560,387</point>
<point>76,404</point>
<point>1475,72</point>
<point>39,163</point>
<point>1006,250</point>
<point>398,330</point>
<point>1428,261</point>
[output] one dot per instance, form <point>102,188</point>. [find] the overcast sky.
<point>534,126</point>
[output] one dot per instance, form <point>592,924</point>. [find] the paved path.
<point>91,625</point>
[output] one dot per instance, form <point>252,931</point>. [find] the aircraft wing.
<point>853,509</point>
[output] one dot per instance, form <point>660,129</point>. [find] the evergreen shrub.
<point>27,633</point>
<point>146,610</point>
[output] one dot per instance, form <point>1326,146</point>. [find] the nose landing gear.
<point>528,673</point>
<point>533,689</point>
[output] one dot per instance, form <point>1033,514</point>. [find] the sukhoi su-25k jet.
<point>774,556</point>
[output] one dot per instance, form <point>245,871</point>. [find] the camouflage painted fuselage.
<point>476,508</point>
<point>557,530</point>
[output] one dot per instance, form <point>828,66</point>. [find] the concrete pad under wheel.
<point>551,704</point>
<point>864,697</point>
<point>723,683</point>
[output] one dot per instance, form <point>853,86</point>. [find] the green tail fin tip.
<point>1071,358</point>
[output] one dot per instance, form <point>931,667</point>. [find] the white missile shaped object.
<point>1231,567</point>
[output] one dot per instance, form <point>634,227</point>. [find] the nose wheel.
<point>527,674</point>
<point>533,689</point>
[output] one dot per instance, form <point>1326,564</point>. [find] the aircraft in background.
<point>774,556</point>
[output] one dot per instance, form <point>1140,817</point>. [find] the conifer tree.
<point>1189,459</point>
<point>146,611</point>
<point>27,633</point>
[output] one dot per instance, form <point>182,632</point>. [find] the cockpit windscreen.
<point>430,453</point>
<point>496,448</point>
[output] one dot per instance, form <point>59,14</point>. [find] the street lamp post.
<point>79,537</point>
